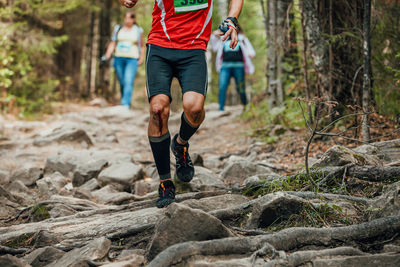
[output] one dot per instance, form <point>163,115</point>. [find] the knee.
<point>195,114</point>
<point>159,110</point>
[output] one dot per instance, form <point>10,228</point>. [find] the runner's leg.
<point>158,133</point>
<point>224,77</point>
<point>193,115</point>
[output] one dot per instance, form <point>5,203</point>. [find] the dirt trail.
<point>79,189</point>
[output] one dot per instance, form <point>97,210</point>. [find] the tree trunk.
<point>317,45</point>
<point>367,69</point>
<point>105,33</point>
<point>89,55</point>
<point>277,11</point>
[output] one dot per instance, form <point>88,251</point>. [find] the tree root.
<point>375,173</point>
<point>13,251</point>
<point>240,210</point>
<point>302,257</point>
<point>287,240</point>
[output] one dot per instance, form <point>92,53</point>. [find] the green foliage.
<point>23,240</point>
<point>386,58</point>
<point>30,36</point>
<point>262,119</point>
<point>39,213</point>
<point>323,215</point>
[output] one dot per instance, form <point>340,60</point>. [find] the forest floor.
<point>78,188</point>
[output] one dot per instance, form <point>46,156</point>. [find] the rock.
<point>95,250</point>
<point>28,173</point>
<point>18,187</point>
<point>90,185</point>
<point>151,171</point>
<point>86,162</point>
<point>387,151</point>
<point>197,159</point>
<point>99,102</point>
<point>236,172</point>
<point>124,173</point>
<point>251,181</point>
<point>215,203</point>
<point>4,177</point>
<point>340,156</point>
<point>108,195</point>
<point>44,238</point>
<point>194,225</point>
<point>128,252</point>
<point>43,256</point>
<point>387,204</point>
<point>11,261</point>
<point>85,172</point>
<point>146,186</point>
<point>82,193</point>
<point>130,261</point>
<point>5,194</point>
<point>274,207</point>
<point>7,203</point>
<point>65,133</point>
<point>213,162</point>
<point>66,161</point>
<point>20,192</point>
<point>116,114</point>
<point>205,180</point>
<point>51,184</point>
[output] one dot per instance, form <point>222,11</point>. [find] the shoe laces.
<point>185,154</point>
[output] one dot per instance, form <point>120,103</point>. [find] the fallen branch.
<point>287,240</point>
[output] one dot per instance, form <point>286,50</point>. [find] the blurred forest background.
<point>346,52</point>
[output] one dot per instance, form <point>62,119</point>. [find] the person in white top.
<point>232,63</point>
<point>127,44</point>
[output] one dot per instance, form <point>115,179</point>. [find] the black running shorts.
<point>188,65</point>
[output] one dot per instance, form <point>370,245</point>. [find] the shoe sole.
<point>164,203</point>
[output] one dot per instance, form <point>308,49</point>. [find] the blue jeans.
<point>224,77</point>
<point>125,69</point>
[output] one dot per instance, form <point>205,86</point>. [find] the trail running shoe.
<point>166,194</point>
<point>184,165</point>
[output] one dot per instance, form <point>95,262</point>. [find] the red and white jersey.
<point>187,30</point>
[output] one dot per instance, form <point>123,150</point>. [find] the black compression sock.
<point>160,148</point>
<point>187,130</point>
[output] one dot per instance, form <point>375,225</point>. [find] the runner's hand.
<point>128,3</point>
<point>140,61</point>
<point>232,33</point>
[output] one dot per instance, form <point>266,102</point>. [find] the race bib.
<point>182,6</point>
<point>124,46</point>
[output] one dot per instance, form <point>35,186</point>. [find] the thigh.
<point>224,76</point>
<point>191,71</point>
<point>238,74</point>
<point>130,69</point>
<point>119,67</point>
<point>159,73</point>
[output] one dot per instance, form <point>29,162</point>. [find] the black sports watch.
<point>234,20</point>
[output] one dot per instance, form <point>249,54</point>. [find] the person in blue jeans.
<point>127,44</point>
<point>232,63</point>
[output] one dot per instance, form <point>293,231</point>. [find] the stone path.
<point>79,189</point>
